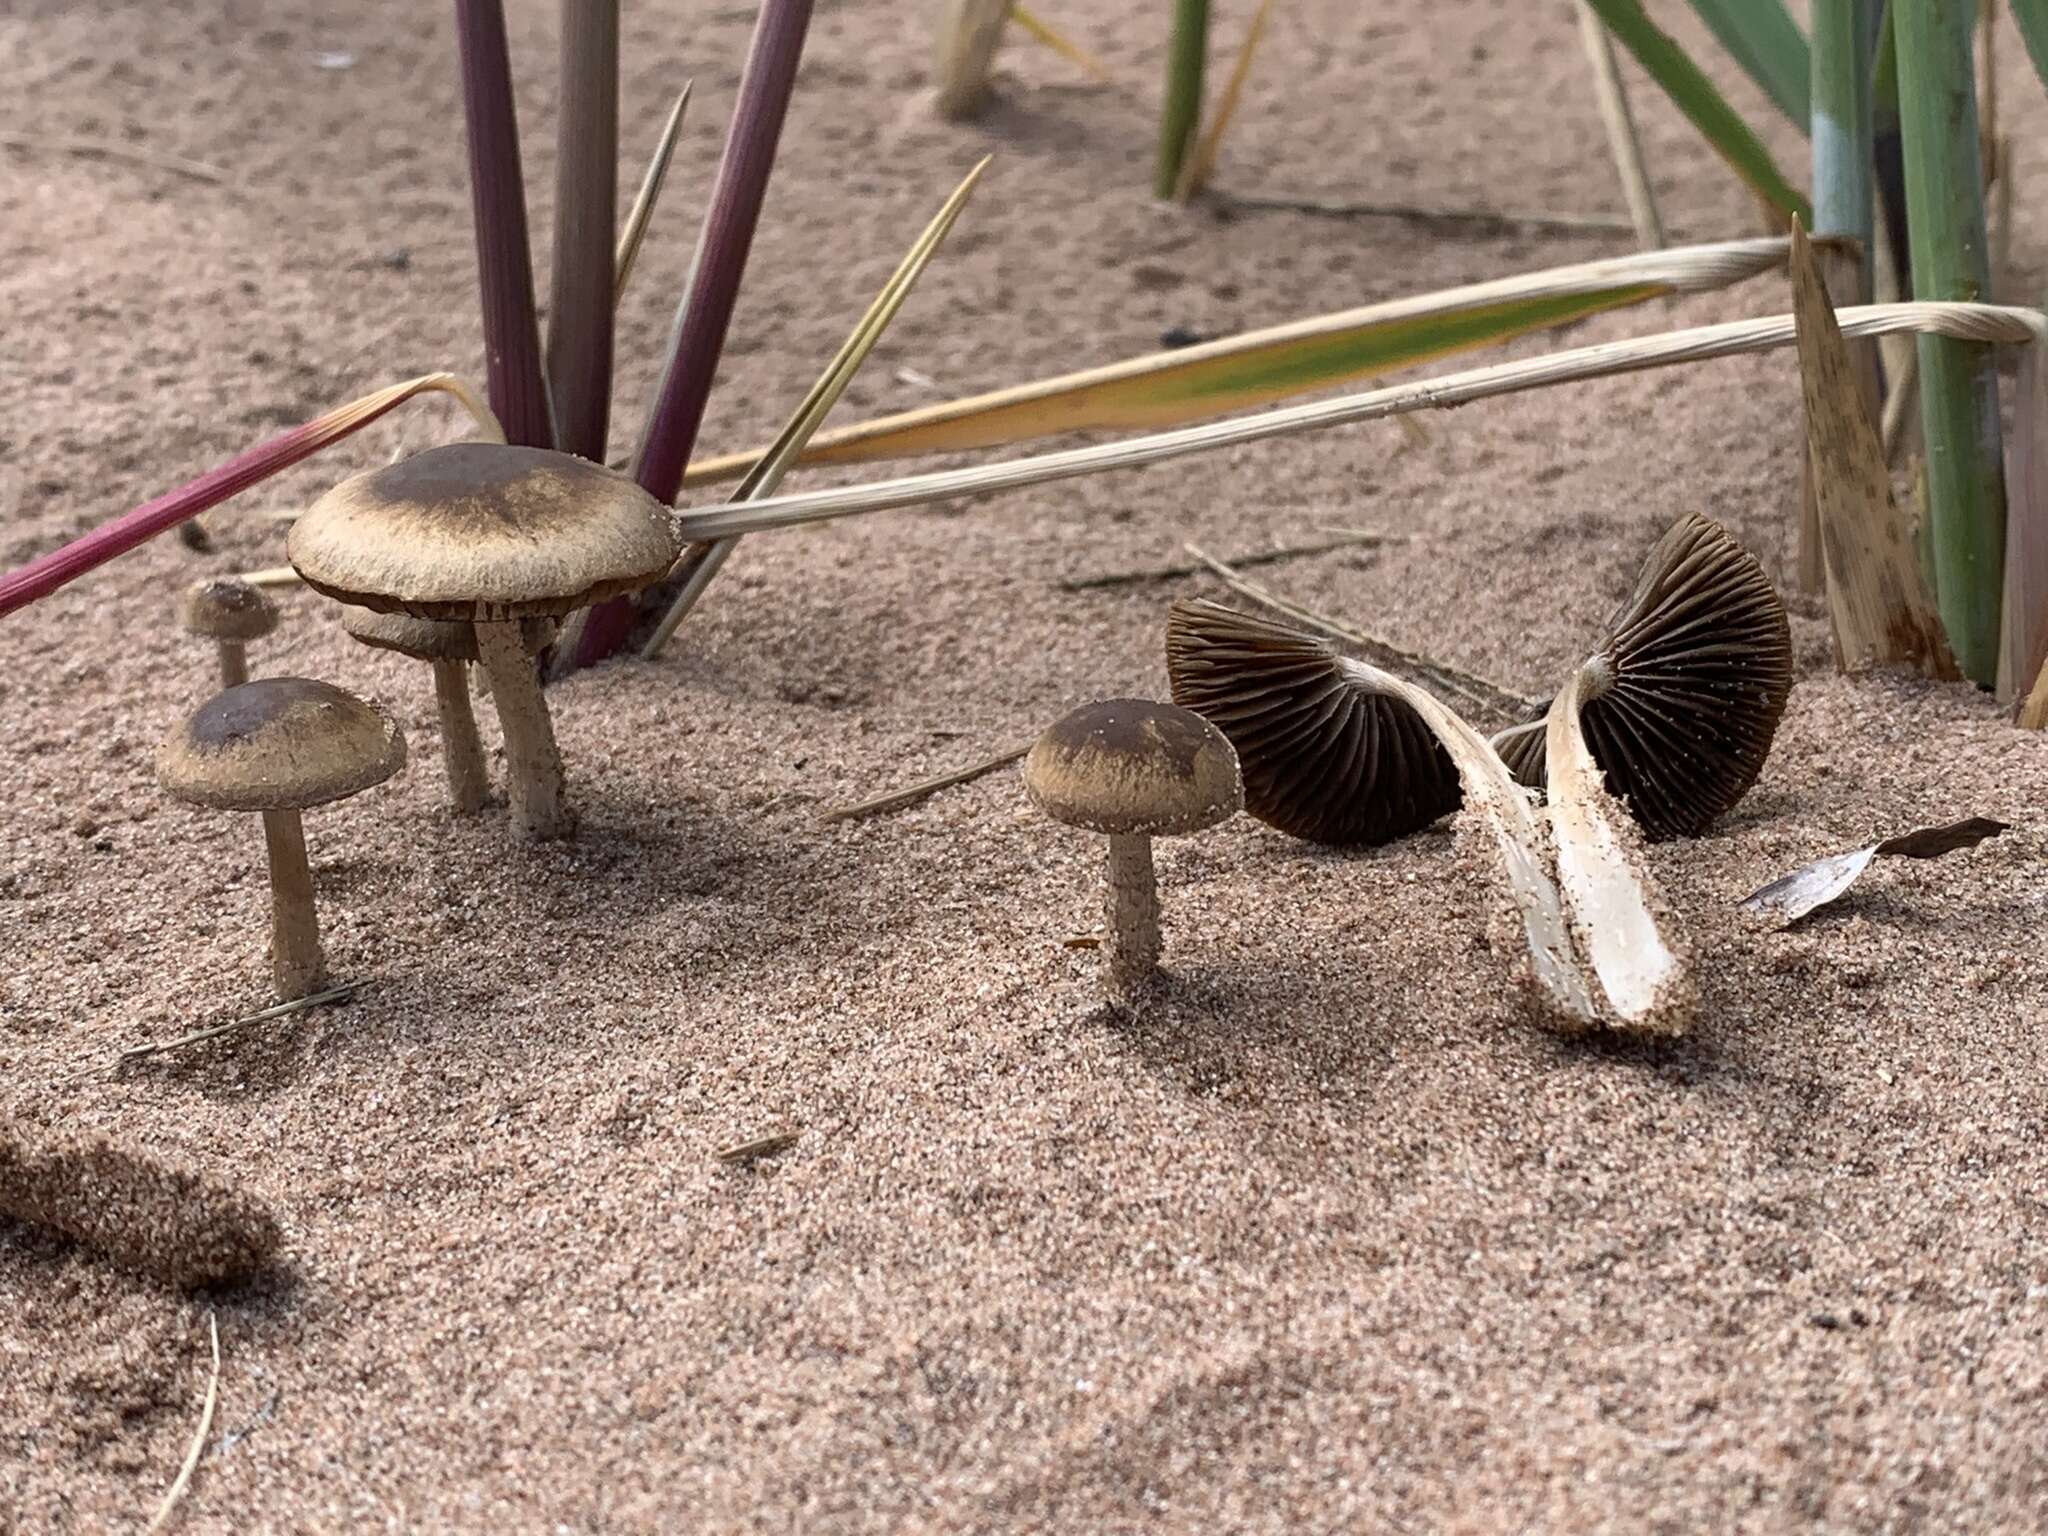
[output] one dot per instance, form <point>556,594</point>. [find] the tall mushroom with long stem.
<point>1135,770</point>
<point>485,534</point>
<point>450,648</point>
<point>281,745</point>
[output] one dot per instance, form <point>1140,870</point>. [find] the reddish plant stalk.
<point>504,262</point>
<point>706,310</point>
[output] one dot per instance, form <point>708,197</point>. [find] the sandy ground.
<point>1328,1240</point>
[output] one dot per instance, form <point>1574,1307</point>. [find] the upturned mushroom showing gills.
<point>1683,693</point>
<point>280,745</point>
<point>450,647</point>
<point>1135,770</point>
<point>486,534</point>
<point>231,613</point>
<point>1326,755</point>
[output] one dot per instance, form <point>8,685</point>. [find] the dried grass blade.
<point>46,574</point>
<point>1623,142</point>
<point>1601,869</point>
<point>1194,173</point>
<point>641,214</point>
<point>1880,608</point>
<point>1977,322</point>
<point>700,565</point>
<point>1171,388</point>
<point>2024,643</point>
<point>193,1452</point>
<point>1061,44</point>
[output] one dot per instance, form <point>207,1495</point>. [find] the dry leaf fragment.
<point>1805,890</point>
<point>1878,603</point>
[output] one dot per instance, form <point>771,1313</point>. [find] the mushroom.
<point>1327,755</point>
<point>486,534</point>
<point>1682,696</point>
<point>450,647</point>
<point>279,745</point>
<point>229,612</point>
<point>1135,770</point>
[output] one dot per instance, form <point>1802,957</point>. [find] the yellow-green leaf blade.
<point>1166,389</point>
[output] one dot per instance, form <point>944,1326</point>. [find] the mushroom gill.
<point>1685,689</point>
<point>1325,756</point>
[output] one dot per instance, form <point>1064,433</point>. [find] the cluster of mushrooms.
<point>464,553</point>
<point>469,553</point>
<point>1677,705</point>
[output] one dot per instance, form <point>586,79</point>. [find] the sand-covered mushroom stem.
<point>278,746</point>
<point>486,534</point>
<point>449,647</point>
<point>1682,695</point>
<point>1134,770</point>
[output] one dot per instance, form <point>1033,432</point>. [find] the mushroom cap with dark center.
<point>1132,766</point>
<point>279,743</point>
<point>433,639</point>
<point>482,531</point>
<point>227,608</point>
<point>1690,679</point>
<point>1326,756</point>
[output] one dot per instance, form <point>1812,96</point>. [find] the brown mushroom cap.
<point>279,743</point>
<point>227,608</point>
<point>1690,680</point>
<point>482,531</point>
<point>1326,756</point>
<point>1134,766</point>
<point>433,639</point>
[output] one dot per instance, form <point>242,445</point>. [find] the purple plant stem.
<point>582,281</point>
<point>504,263</point>
<point>706,312</point>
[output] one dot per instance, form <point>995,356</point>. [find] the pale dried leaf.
<point>1879,605</point>
<point>1815,885</point>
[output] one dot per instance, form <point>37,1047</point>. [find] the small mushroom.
<point>486,534</point>
<point>279,745</point>
<point>1327,755</point>
<point>1682,696</point>
<point>1135,770</point>
<point>450,647</point>
<point>231,613</point>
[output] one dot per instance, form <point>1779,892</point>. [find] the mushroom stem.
<point>234,663</point>
<point>1132,907</point>
<point>296,963</point>
<point>533,764</point>
<point>469,782</point>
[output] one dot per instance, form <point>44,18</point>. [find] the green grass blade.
<point>1703,104</point>
<point>1164,389</point>
<point>2032,16</point>
<point>1762,37</point>
<point>1186,56</point>
<point>701,564</point>
<point>1958,379</point>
